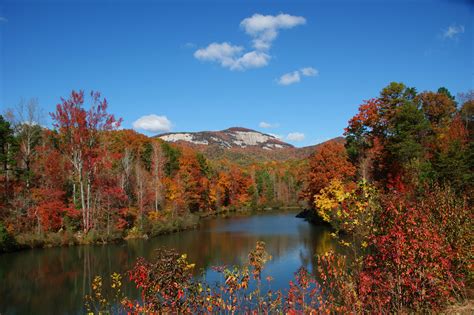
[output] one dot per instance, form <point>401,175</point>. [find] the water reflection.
<point>54,281</point>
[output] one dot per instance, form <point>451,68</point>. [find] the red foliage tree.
<point>78,139</point>
<point>49,208</point>
<point>49,201</point>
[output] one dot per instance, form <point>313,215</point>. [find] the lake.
<point>54,281</point>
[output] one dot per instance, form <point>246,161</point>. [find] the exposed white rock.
<point>177,137</point>
<point>221,142</point>
<point>274,145</point>
<point>182,137</point>
<point>251,138</point>
<point>239,143</point>
<point>233,137</point>
<point>200,142</point>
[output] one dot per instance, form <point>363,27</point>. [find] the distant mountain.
<point>235,137</point>
<point>255,154</point>
<point>241,145</point>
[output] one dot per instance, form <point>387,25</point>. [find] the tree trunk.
<point>108,215</point>
<point>88,203</point>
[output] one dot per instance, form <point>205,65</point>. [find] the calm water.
<point>54,281</point>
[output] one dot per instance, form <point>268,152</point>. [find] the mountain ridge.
<point>233,137</point>
<point>242,154</point>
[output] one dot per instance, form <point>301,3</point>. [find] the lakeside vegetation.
<point>398,194</point>
<point>87,181</point>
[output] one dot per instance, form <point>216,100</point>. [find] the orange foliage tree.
<point>330,162</point>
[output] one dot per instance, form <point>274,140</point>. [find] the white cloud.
<point>253,59</point>
<point>223,53</point>
<point>264,28</point>
<point>295,136</point>
<point>153,123</point>
<point>230,56</point>
<point>453,31</point>
<point>264,124</point>
<point>295,76</point>
<point>3,19</point>
<point>289,78</point>
<point>309,72</point>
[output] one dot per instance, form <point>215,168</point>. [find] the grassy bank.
<point>141,230</point>
<point>66,237</point>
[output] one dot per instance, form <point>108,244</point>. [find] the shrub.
<point>452,216</point>
<point>410,267</point>
<point>30,240</point>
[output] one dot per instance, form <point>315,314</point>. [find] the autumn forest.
<point>396,191</point>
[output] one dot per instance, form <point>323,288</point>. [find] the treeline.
<point>86,180</point>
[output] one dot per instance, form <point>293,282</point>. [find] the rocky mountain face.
<point>235,137</point>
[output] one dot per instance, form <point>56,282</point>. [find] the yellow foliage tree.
<point>329,199</point>
<point>349,210</point>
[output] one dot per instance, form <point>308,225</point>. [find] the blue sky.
<point>155,58</point>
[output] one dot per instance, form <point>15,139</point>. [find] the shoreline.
<point>64,238</point>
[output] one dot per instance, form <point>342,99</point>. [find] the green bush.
<point>101,237</point>
<point>52,240</point>
<point>172,225</point>
<point>134,232</point>
<point>30,240</point>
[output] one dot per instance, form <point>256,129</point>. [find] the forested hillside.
<point>86,180</point>
<point>398,193</point>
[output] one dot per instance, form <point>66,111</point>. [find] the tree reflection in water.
<point>54,281</point>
